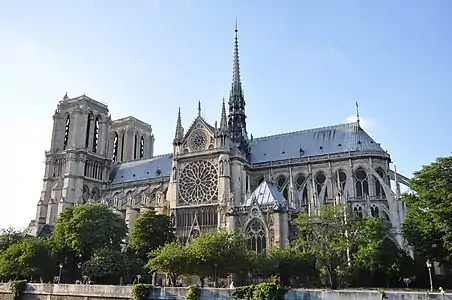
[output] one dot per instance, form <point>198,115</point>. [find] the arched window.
<point>358,210</point>
<point>122,146</point>
<point>66,132</point>
<point>88,128</point>
<point>302,191</point>
<point>115,147</point>
<point>96,134</point>
<point>320,180</point>
<point>374,211</point>
<point>95,194</point>
<point>362,183</point>
<point>135,146</point>
<point>282,186</point>
<point>379,191</point>
<point>85,195</point>
<point>141,147</point>
<point>257,237</point>
<point>342,177</point>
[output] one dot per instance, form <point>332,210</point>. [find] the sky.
<point>304,64</point>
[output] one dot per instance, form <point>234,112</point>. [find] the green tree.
<point>428,223</point>
<point>217,254</point>
<point>107,266</point>
<point>28,259</point>
<point>84,229</point>
<point>150,231</point>
<point>172,259</point>
<point>328,237</point>
<point>8,237</point>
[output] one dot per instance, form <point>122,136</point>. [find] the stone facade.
<point>217,176</point>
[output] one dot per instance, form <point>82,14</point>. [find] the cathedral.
<point>217,176</point>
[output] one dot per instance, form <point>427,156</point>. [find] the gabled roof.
<point>335,139</point>
<point>265,194</point>
<point>197,120</point>
<point>158,166</point>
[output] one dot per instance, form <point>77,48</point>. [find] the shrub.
<point>17,288</point>
<point>193,293</point>
<point>140,291</point>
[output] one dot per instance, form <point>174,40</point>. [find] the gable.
<point>265,194</point>
<point>200,137</point>
<point>336,139</point>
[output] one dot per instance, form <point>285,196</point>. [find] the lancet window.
<point>115,147</point>
<point>257,236</point>
<point>141,147</point>
<point>320,180</point>
<point>302,191</point>
<point>96,134</point>
<point>358,210</point>
<point>283,186</point>
<point>66,132</point>
<point>362,183</point>
<point>122,146</point>
<point>379,191</point>
<point>88,128</point>
<point>135,146</point>
<point>374,211</point>
<point>342,178</point>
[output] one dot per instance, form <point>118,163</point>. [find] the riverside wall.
<point>111,292</point>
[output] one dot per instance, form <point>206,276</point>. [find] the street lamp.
<point>429,267</point>
<point>138,278</point>
<point>215,275</point>
<point>59,274</point>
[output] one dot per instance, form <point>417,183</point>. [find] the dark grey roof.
<point>312,142</point>
<point>142,169</point>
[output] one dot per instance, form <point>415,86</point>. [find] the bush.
<point>193,293</point>
<point>17,288</point>
<point>140,291</point>
<point>263,291</point>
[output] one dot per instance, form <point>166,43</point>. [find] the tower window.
<point>66,132</point>
<point>96,134</point>
<point>115,147</point>
<point>141,147</point>
<point>122,147</point>
<point>88,129</point>
<point>135,145</point>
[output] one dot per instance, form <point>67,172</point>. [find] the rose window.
<point>198,140</point>
<point>198,183</point>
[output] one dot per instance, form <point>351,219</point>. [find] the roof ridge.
<point>143,160</point>
<point>304,131</point>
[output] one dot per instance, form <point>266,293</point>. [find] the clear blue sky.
<point>303,64</point>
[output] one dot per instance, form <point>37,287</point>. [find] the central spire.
<point>237,116</point>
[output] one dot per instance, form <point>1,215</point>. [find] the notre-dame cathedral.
<point>217,175</point>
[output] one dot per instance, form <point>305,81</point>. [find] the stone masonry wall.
<point>110,292</point>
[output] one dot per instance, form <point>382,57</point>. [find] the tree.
<point>328,237</point>
<point>217,254</point>
<point>172,259</point>
<point>106,266</point>
<point>85,229</point>
<point>428,223</point>
<point>150,231</point>
<point>28,259</point>
<point>8,237</point>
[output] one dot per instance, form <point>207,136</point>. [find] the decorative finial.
<point>199,108</point>
<point>357,113</point>
<point>178,136</point>
<point>65,96</point>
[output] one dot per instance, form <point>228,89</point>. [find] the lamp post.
<point>59,274</point>
<point>138,278</point>
<point>429,267</point>
<point>215,275</point>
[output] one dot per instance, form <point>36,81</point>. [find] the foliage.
<point>8,237</point>
<point>84,229</point>
<point>193,293</point>
<point>263,291</point>
<point>150,231</point>
<point>218,254</point>
<point>17,288</point>
<point>140,291</point>
<point>171,259</point>
<point>30,258</point>
<point>106,265</point>
<point>428,223</point>
<point>328,237</point>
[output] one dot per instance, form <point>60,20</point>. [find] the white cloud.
<point>365,123</point>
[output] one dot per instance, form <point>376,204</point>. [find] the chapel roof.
<point>265,194</point>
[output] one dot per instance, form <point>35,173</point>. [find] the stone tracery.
<point>198,183</point>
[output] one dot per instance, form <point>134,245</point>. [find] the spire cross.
<point>357,113</point>
<point>199,108</point>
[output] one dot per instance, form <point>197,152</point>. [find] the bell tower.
<point>77,164</point>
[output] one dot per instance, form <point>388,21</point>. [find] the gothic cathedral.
<point>217,176</point>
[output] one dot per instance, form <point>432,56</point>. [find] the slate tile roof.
<point>335,139</point>
<point>312,142</point>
